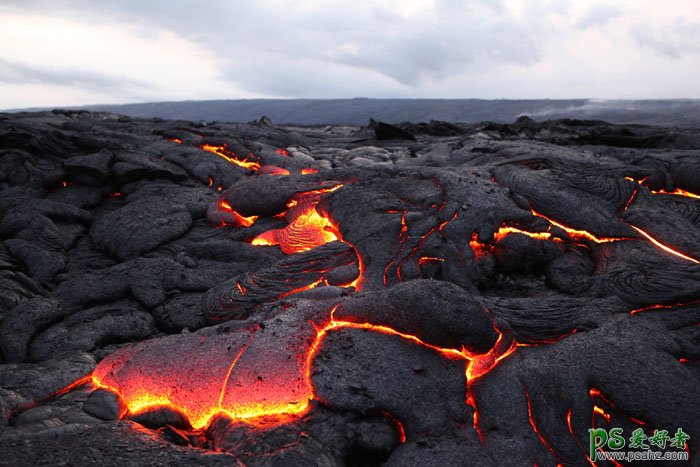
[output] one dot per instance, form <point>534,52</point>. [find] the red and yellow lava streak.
<point>273,170</point>
<point>631,199</point>
<point>397,423</point>
<point>601,412</point>
<point>75,384</point>
<point>481,249</point>
<point>475,421</point>
<point>309,170</point>
<point>241,221</point>
<point>230,156</point>
<point>593,393</point>
<point>480,364</point>
<point>579,234</point>
<point>307,228</point>
<point>543,440</point>
<point>175,140</point>
<point>664,247</point>
<point>282,152</point>
<point>429,260</point>
<point>234,388</point>
<point>568,421</point>
<point>677,191</point>
<point>664,307</point>
<point>301,289</point>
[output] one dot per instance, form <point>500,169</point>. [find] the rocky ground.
<point>179,292</point>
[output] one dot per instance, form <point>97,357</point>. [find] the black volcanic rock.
<point>419,294</point>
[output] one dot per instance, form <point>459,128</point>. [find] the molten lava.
<point>240,221</point>
<point>307,228</point>
<point>677,191</point>
<point>664,247</point>
<point>481,249</point>
<point>231,156</point>
<point>241,375</point>
<point>579,234</point>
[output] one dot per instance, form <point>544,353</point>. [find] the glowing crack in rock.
<point>307,228</point>
<point>246,374</point>
<point>227,154</point>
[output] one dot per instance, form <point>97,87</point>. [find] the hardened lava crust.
<point>207,293</point>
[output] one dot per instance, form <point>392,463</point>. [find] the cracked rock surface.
<point>177,292</point>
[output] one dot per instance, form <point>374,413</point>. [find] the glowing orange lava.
<point>238,387</point>
<point>543,440</point>
<point>579,234</point>
<point>230,156</point>
<point>307,228</point>
<point>241,221</point>
<point>677,191</point>
<point>309,170</point>
<point>175,140</point>
<point>664,247</point>
<point>503,231</point>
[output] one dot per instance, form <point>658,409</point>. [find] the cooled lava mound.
<point>424,294</point>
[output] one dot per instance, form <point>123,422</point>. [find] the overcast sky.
<point>69,52</point>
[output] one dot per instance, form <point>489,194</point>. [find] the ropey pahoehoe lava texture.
<point>430,294</point>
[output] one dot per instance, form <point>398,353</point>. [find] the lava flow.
<point>231,156</point>
<point>481,249</point>
<point>240,221</point>
<point>677,191</point>
<point>268,372</point>
<point>307,228</point>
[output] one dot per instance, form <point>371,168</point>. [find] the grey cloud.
<point>19,73</point>
<point>673,40</point>
<point>344,36</point>
<point>598,15</point>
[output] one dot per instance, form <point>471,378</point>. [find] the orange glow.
<point>398,425</point>
<point>599,411</point>
<point>677,191</point>
<point>579,234</point>
<point>568,421</point>
<point>238,388</point>
<point>282,152</point>
<point>307,228</point>
<point>593,392</point>
<point>301,289</point>
<point>75,384</point>
<point>211,181</point>
<point>175,140</point>
<point>429,260</point>
<point>309,170</point>
<point>230,156</point>
<point>274,170</point>
<point>629,201</point>
<point>543,440</point>
<point>444,223</point>
<point>240,220</point>
<point>481,249</point>
<point>475,421</point>
<point>664,247</point>
<point>480,364</point>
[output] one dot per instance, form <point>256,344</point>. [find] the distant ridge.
<point>679,112</point>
